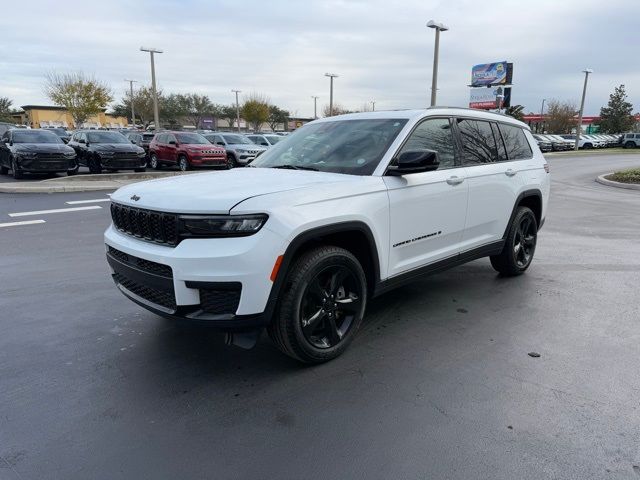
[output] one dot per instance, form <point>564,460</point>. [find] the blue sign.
<point>487,74</point>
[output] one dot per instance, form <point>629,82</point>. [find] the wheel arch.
<point>531,199</point>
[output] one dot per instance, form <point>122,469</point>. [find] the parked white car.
<point>344,209</point>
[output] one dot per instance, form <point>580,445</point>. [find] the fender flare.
<point>523,195</point>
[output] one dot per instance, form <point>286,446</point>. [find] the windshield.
<point>273,139</point>
<point>237,139</point>
<point>59,131</point>
<point>345,146</point>
<point>106,137</point>
<point>192,139</point>
<point>34,136</point>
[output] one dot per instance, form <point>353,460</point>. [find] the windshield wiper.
<point>295,167</point>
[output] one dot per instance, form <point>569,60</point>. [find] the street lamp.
<point>439,27</point>
<point>373,105</point>
<point>315,105</point>
<point>156,114</point>
<point>541,115</point>
<point>133,114</point>
<point>586,72</point>
<point>237,108</point>
<point>331,77</point>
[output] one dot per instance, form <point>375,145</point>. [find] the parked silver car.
<point>240,150</point>
<point>265,139</point>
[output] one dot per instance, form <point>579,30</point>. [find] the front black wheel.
<point>153,162</point>
<point>630,145</point>
<point>3,170</point>
<point>17,174</point>
<point>231,161</point>
<point>520,244</point>
<point>95,166</point>
<point>325,295</point>
<point>183,163</point>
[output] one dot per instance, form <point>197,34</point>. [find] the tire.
<point>630,145</point>
<point>519,246</point>
<point>326,287</point>
<point>140,170</point>
<point>183,163</point>
<point>154,163</point>
<point>4,170</point>
<point>94,165</point>
<point>17,174</point>
<point>231,161</point>
<point>588,146</point>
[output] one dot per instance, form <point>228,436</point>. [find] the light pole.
<point>133,113</point>
<point>156,114</point>
<point>237,108</point>
<point>373,105</point>
<point>439,27</point>
<point>586,71</point>
<point>331,77</point>
<point>315,105</point>
<point>541,114</point>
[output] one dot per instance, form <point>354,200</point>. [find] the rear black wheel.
<point>520,244</point>
<point>231,161</point>
<point>325,295</point>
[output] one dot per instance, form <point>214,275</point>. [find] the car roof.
<point>428,112</point>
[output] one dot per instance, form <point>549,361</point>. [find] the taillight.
<point>546,167</point>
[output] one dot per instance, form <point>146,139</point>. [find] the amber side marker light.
<point>276,267</point>
<point>546,167</point>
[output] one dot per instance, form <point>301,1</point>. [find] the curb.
<point>611,183</point>
<point>85,183</point>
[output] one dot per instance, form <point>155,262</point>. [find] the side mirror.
<point>264,143</point>
<point>173,142</point>
<point>82,140</point>
<point>414,161</point>
<point>220,143</point>
<point>133,141</point>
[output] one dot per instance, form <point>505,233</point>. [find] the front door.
<point>171,149</point>
<point>428,209</point>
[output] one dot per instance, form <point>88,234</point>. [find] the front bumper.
<point>223,282</point>
<point>123,163</point>
<point>208,161</point>
<point>39,165</point>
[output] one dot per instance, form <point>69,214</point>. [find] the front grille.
<point>146,224</point>
<point>221,300</point>
<point>142,264</point>
<point>159,297</point>
<point>124,155</point>
<point>212,152</point>
<point>51,156</point>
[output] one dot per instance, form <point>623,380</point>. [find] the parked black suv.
<point>107,150</point>
<point>61,132</point>
<point>35,151</point>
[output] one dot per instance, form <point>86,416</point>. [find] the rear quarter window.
<point>515,142</point>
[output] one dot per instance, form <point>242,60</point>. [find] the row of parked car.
<point>559,143</point>
<point>54,150</point>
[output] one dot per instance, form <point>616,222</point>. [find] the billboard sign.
<point>487,98</point>
<point>487,74</point>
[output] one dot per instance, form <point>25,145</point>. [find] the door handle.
<point>510,172</point>
<point>454,180</point>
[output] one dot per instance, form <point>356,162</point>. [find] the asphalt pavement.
<point>437,385</point>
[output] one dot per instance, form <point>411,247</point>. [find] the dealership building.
<point>45,116</point>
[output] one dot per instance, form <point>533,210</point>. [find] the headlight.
<point>242,150</point>
<point>141,154</point>
<point>221,225</point>
<point>70,154</point>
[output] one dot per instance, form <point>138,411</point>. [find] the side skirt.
<point>493,248</point>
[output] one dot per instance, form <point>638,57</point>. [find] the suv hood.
<point>246,146</point>
<point>115,147</point>
<point>219,192</point>
<point>43,148</point>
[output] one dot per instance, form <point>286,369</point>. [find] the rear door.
<point>161,140</point>
<point>171,149</point>
<point>428,209</point>
<point>495,155</point>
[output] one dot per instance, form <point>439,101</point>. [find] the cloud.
<point>382,51</point>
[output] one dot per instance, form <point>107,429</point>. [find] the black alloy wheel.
<point>524,242</point>
<point>231,161</point>
<point>17,174</point>
<point>330,305</point>
<point>630,145</point>
<point>520,244</point>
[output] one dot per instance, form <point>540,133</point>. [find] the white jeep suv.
<point>342,210</point>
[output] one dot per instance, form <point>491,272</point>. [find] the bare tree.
<point>560,116</point>
<point>337,110</point>
<point>80,95</point>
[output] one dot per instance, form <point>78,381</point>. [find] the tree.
<point>276,116</point>
<point>617,116</point>
<point>228,113</point>
<point>337,110</point>
<point>174,107</point>
<point>198,106</point>
<point>560,117</point>
<point>142,104</point>
<point>5,109</point>
<point>515,111</point>
<point>255,110</point>
<point>80,95</point>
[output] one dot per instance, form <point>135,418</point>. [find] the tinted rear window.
<point>478,142</point>
<point>515,142</point>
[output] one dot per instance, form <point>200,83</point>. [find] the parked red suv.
<point>185,149</point>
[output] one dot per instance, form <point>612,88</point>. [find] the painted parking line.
<point>79,202</point>
<point>57,210</point>
<point>25,222</point>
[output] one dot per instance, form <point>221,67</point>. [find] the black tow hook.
<point>245,340</point>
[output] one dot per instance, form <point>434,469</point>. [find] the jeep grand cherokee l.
<point>185,149</point>
<point>107,150</point>
<point>35,151</point>
<point>340,211</point>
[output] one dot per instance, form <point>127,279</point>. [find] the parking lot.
<point>438,383</point>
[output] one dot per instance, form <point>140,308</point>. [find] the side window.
<point>170,138</point>
<point>478,142</point>
<point>218,140</point>
<point>162,138</point>
<point>5,137</point>
<point>433,134</point>
<point>502,151</point>
<point>516,142</point>
<point>637,135</point>
<point>82,136</point>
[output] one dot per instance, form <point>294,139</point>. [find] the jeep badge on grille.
<point>135,198</point>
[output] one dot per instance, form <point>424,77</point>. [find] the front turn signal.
<point>276,268</point>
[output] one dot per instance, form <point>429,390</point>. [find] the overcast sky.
<point>381,49</point>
